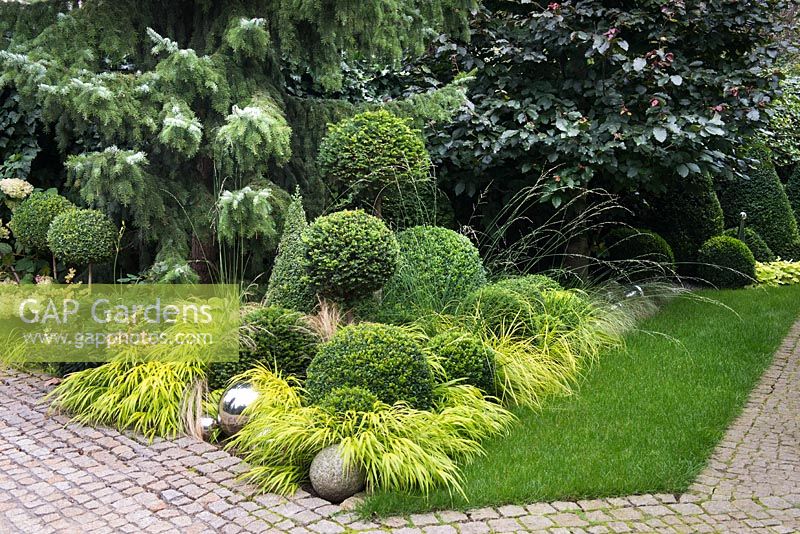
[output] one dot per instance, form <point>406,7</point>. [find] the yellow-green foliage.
<point>398,448</point>
<point>778,273</point>
<point>147,397</point>
<point>537,359</point>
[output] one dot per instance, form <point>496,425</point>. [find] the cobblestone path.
<point>57,478</point>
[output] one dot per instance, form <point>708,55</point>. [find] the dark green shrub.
<point>464,356</point>
<point>423,205</point>
<point>82,236</point>
<point>437,268</point>
<point>288,283</point>
<point>639,253</point>
<point>372,155</point>
<point>726,262</point>
<point>62,369</point>
<point>761,251</point>
<point>502,311</point>
<point>283,342</point>
<point>349,254</point>
<point>793,191</point>
<point>686,215</point>
<point>386,360</point>
<point>33,216</point>
<point>349,399</point>
<point>760,194</point>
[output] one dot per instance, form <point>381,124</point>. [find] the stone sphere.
<point>207,427</point>
<point>331,479</point>
<point>233,402</point>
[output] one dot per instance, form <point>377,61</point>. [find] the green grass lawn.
<point>645,419</point>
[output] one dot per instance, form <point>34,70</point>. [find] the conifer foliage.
<point>155,105</point>
<point>288,283</point>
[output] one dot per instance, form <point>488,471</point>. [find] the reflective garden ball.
<point>233,402</point>
<point>634,291</point>
<point>207,427</point>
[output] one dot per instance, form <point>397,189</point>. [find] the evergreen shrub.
<point>31,220</point>
<point>793,191</point>
<point>283,343</point>
<point>288,283</point>
<point>761,195</point>
<point>349,254</point>
<point>437,269</point>
<point>383,359</point>
<point>636,252</point>
<point>349,399</point>
<point>687,214</point>
<point>374,154</point>
<point>464,356</point>
<point>756,244</point>
<point>502,311</point>
<point>726,262</point>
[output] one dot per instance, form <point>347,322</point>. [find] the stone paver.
<point>59,477</point>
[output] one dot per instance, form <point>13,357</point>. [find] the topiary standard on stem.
<point>385,360</point>
<point>31,220</point>
<point>372,155</point>
<point>82,236</point>
<point>349,254</point>
<point>726,262</point>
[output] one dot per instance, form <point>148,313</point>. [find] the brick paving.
<point>56,477</point>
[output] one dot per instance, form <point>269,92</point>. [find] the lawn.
<point>645,419</point>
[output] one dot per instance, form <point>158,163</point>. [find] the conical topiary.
<point>761,195</point>
<point>288,284</point>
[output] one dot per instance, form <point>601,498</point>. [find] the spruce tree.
<point>156,107</point>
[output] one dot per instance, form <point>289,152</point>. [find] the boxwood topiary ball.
<point>349,399</point>
<point>756,244</point>
<point>437,269</point>
<point>726,262</point>
<point>32,218</point>
<point>383,359</point>
<point>371,154</point>
<point>82,236</point>
<point>464,356</point>
<point>349,254</point>
<point>283,342</point>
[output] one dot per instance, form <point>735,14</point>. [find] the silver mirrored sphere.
<point>634,291</point>
<point>233,402</point>
<point>207,427</point>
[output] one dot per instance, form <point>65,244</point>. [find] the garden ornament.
<point>234,401</point>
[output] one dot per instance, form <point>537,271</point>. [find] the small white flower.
<point>15,188</point>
